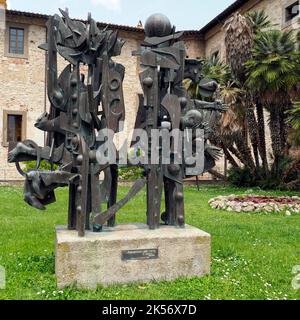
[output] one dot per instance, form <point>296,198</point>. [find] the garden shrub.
<point>130,173</point>
<point>45,165</point>
<point>241,177</point>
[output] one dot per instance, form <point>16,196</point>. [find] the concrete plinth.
<point>130,253</point>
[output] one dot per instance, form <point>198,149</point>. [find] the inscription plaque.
<point>141,254</point>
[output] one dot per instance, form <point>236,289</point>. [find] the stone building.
<point>23,95</point>
<point>284,15</point>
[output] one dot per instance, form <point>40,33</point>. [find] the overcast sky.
<point>186,14</point>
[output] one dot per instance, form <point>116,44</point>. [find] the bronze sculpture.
<point>83,104</point>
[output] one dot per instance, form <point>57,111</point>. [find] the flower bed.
<point>253,203</point>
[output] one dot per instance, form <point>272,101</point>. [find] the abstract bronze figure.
<point>167,106</point>
<point>86,101</point>
<point>74,118</point>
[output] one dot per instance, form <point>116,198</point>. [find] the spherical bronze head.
<point>158,25</point>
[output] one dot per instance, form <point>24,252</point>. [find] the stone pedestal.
<point>130,253</point>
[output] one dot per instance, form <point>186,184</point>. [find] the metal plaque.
<point>142,254</point>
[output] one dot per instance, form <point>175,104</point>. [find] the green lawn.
<point>252,254</point>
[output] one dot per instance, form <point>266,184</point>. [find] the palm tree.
<point>259,22</point>
<point>272,74</point>
<point>214,68</point>
<point>228,134</point>
<point>238,41</point>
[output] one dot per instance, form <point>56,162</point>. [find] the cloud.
<point>114,5</point>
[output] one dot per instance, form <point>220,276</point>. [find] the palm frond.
<point>294,116</point>
<point>259,21</point>
<point>238,43</point>
<point>274,66</point>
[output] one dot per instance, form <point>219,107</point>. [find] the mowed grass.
<point>253,255</point>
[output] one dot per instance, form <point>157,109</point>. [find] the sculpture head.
<point>192,69</point>
<point>192,119</point>
<point>158,25</point>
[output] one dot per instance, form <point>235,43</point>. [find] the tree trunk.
<point>262,136</point>
<point>236,153</point>
<point>245,153</point>
<point>284,131</point>
<point>275,136</point>
<point>217,174</point>
<point>229,156</point>
<point>252,129</point>
<point>221,143</point>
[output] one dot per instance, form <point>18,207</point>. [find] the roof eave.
<point>100,24</point>
<point>223,15</point>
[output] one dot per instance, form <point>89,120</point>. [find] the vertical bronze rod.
<point>113,195</point>
<point>83,209</point>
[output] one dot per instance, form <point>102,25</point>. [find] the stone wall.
<point>195,46</point>
<point>131,84</point>
<point>22,88</point>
